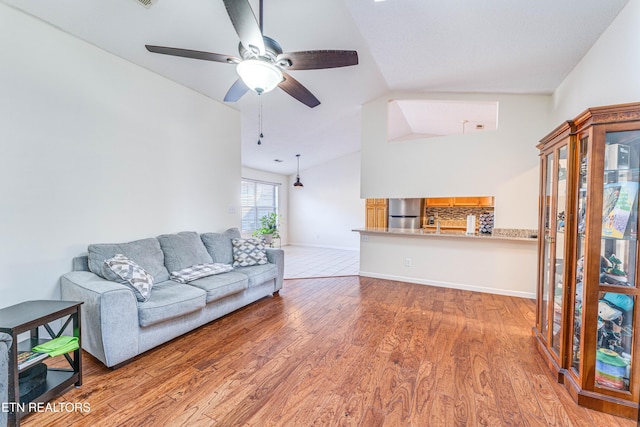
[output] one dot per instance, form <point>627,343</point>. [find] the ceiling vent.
<point>146,3</point>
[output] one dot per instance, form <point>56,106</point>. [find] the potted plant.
<point>268,227</point>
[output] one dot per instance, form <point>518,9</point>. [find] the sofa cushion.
<point>248,252</point>
<point>258,274</point>
<point>219,245</point>
<point>183,250</point>
<point>122,270</point>
<point>146,253</point>
<point>222,285</point>
<point>199,271</point>
<point>168,300</point>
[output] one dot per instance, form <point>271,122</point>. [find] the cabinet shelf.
<point>57,381</point>
<point>608,287</point>
<point>626,238</point>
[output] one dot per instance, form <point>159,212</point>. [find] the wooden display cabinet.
<point>588,252</point>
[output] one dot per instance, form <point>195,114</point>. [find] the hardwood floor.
<point>340,351</point>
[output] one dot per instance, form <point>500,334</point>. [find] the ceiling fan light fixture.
<point>259,76</point>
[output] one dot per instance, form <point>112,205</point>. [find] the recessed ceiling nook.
<point>410,119</point>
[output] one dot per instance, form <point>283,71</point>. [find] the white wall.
<point>502,163</point>
<point>96,149</point>
<point>283,196</point>
<point>328,207</point>
<point>608,74</point>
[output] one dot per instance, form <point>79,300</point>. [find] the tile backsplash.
<point>456,214</point>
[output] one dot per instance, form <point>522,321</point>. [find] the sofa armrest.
<point>6,339</point>
<point>109,316</point>
<point>80,263</point>
<point>5,345</point>
<point>276,256</point>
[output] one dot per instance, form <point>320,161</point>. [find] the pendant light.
<point>298,184</point>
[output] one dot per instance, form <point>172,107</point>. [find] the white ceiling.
<point>501,46</point>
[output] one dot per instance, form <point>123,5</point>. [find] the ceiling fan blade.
<point>195,54</point>
<point>244,21</point>
<point>317,59</point>
<point>236,91</point>
<point>299,92</point>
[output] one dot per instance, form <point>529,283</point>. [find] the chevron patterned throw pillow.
<point>247,252</point>
<point>131,274</point>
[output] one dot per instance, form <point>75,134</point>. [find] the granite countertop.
<point>499,234</point>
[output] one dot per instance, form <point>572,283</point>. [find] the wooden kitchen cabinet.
<point>459,202</point>
<point>473,201</point>
<point>485,202</point>
<point>439,202</point>
<point>466,201</point>
<point>587,293</point>
<point>377,213</point>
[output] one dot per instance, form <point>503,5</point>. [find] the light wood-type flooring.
<point>345,351</point>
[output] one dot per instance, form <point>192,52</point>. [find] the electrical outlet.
<point>365,237</point>
<point>407,262</point>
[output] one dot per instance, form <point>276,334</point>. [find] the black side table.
<point>28,317</point>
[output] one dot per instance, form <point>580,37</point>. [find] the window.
<point>258,199</point>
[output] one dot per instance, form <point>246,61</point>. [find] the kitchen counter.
<point>502,263</point>
<point>443,233</point>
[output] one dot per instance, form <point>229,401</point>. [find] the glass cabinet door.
<point>618,252</point>
<point>547,242</point>
<point>554,208</point>
<point>581,224</point>
<point>560,204</point>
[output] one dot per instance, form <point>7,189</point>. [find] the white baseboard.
<point>450,285</point>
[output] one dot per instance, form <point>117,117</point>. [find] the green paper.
<point>58,346</point>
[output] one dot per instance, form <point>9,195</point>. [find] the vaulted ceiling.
<point>415,46</point>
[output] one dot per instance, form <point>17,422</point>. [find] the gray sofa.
<point>5,345</point>
<point>117,325</point>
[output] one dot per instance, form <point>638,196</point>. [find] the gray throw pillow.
<point>248,252</point>
<point>183,250</point>
<point>219,245</point>
<point>146,253</point>
<point>122,270</point>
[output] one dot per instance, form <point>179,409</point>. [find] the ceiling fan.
<point>262,65</point>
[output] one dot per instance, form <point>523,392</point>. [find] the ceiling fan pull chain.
<point>260,120</point>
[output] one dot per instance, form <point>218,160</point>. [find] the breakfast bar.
<point>503,262</point>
